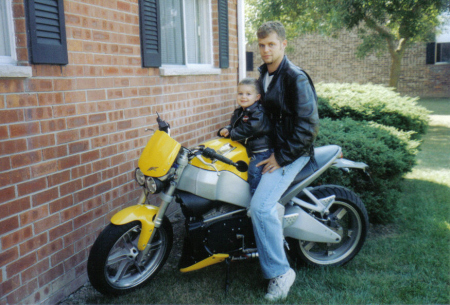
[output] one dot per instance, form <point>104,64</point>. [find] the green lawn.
<point>407,262</point>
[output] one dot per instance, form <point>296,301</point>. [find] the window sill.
<point>187,70</point>
<point>15,71</point>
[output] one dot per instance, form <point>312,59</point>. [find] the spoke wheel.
<point>348,218</point>
<point>112,264</point>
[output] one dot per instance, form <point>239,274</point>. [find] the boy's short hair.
<point>250,81</point>
<point>269,27</point>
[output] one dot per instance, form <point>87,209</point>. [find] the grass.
<point>406,262</point>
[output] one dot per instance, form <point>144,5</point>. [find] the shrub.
<point>372,103</point>
<point>390,154</point>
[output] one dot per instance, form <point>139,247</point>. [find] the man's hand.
<point>270,164</point>
<point>224,132</point>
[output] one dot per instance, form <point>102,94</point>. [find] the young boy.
<point>250,125</point>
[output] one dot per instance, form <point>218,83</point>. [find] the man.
<point>289,96</point>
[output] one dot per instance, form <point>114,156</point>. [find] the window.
<point>7,46</point>
<point>176,36</point>
<point>438,52</point>
<point>443,52</point>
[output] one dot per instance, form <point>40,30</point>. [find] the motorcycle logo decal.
<point>152,168</point>
<point>245,118</point>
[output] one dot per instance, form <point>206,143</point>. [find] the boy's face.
<point>247,96</point>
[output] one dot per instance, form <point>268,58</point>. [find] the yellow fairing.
<point>159,154</point>
<point>214,259</point>
<point>143,213</point>
<point>237,153</point>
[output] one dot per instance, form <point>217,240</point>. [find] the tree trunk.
<point>396,65</point>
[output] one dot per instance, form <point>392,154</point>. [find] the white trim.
<point>172,70</point>
<point>12,41</point>
<point>241,40</point>
<point>15,71</point>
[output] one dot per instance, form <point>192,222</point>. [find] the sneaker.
<point>279,286</point>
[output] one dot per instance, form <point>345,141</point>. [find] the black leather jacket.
<point>251,127</point>
<point>292,102</point>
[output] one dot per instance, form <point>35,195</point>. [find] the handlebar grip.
<point>211,154</point>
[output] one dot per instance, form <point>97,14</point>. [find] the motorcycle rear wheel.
<point>112,267</point>
<point>348,216</point>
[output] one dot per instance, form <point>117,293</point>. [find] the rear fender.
<point>143,213</point>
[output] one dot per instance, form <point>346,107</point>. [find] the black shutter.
<point>249,60</point>
<point>431,53</point>
<point>150,33</point>
<point>223,34</point>
<point>46,32</point>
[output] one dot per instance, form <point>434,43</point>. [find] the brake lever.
<point>208,164</point>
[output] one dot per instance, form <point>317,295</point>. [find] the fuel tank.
<point>226,184</point>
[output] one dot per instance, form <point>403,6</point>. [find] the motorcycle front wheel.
<point>348,217</point>
<point>112,266</point>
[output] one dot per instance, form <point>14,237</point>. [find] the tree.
<point>381,24</point>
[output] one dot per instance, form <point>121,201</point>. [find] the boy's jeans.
<point>266,225</point>
<point>255,173</point>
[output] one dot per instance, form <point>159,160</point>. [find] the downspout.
<point>241,39</point>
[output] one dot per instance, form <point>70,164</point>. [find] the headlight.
<point>153,185</point>
<point>140,177</point>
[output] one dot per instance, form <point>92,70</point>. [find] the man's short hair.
<point>269,27</point>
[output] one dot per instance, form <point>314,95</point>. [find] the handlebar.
<point>211,154</point>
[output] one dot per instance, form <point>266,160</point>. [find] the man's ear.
<point>284,43</point>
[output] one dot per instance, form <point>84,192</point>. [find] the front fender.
<point>143,213</point>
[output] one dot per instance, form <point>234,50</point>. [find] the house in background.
<point>79,82</point>
<point>425,67</point>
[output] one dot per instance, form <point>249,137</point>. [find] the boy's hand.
<point>224,132</point>
<point>271,164</point>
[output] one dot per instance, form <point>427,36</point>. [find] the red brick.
<point>60,256</point>
<point>18,295</point>
<point>96,95</point>
<point>16,237</point>
<point>11,85</point>
<point>45,196</point>
<point>100,165</point>
<point>89,132</point>
<point>14,207</point>
<point>26,159</point>
<point>50,248</point>
<point>11,116</point>
<point>32,186</point>
<point>71,212</point>
<point>65,84</point>
<point>21,100</point>
<point>61,230</point>
<point>15,176</point>
<point>33,215</point>
<point>75,97</point>
<point>41,141</point>
<point>32,244</point>
<point>37,84</point>
<point>78,147</point>
<point>53,125</point>
<point>81,171</point>
<point>75,260</point>
<point>26,129</point>
<point>42,169</point>
<point>60,204</point>
<point>72,237</point>
<point>67,136</point>
<point>9,285</point>
<point>83,195</point>
<point>64,111</point>
<point>46,223</point>
<point>90,156</point>
<point>21,264</point>
<point>47,70</point>
<point>108,128</point>
<point>4,132</point>
<point>124,125</point>
<point>86,108</point>
<point>5,164</point>
<point>7,256</point>
<point>13,146</point>
<point>7,194</point>
<point>51,98</point>
<point>54,152</point>
<point>50,275</point>
<point>35,270</point>
<point>99,142</point>
<point>74,122</point>
<point>97,118</point>
<point>115,116</point>
<point>58,178</point>
<point>68,162</point>
<point>70,187</point>
<point>40,113</point>
<point>92,179</point>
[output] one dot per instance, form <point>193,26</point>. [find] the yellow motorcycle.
<point>325,225</point>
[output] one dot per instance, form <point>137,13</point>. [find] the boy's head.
<point>249,92</point>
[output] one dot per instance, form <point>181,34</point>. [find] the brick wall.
<point>70,137</point>
<point>334,61</point>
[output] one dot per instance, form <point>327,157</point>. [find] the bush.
<point>390,154</point>
<point>372,103</point>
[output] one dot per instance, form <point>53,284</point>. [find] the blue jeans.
<point>255,173</point>
<point>266,225</point>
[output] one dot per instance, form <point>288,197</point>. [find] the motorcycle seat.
<point>322,155</point>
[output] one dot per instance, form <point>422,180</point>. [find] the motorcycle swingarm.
<point>302,226</point>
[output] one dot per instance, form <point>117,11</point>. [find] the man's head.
<point>272,42</point>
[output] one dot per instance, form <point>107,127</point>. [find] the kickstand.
<point>227,280</point>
